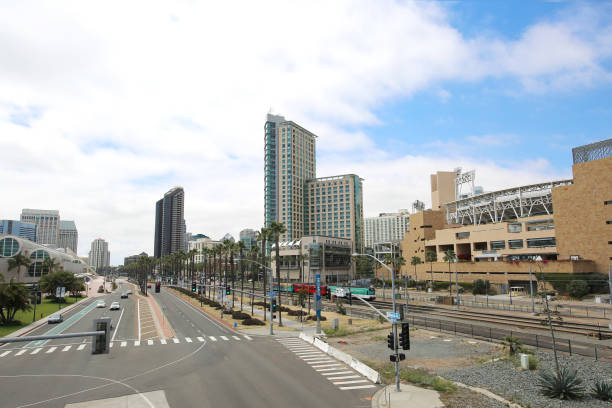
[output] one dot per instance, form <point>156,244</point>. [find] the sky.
<point>106,105</point>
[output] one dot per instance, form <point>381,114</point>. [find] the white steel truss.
<point>503,205</point>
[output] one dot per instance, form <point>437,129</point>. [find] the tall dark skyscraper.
<point>170,223</point>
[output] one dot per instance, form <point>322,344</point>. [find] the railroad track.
<point>519,322</point>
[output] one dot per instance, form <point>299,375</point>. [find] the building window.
<point>515,227</point>
<point>515,243</point>
<point>541,242</point>
<point>8,247</point>
<point>609,202</point>
<point>39,255</point>
<point>461,235</point>
<point>498,244</point>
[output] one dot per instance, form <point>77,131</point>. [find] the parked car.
<point>101,304</point>
<point>58,318</point>
<point>124,295</point>
<point>101,289</point>
<point>149,286</point>
<point>129,292</point>
<point>115,306</point>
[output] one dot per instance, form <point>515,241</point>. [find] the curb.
<point>355,364</point>
<point>489,394</point>
<point>167,331</point>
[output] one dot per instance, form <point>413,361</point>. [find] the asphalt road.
<point>206,365</point>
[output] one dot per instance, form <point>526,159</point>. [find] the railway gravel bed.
<point>504,378</point>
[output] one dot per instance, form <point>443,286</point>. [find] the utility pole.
<point>531,290</point>
<point>271,300</point>
<point>456,283</point>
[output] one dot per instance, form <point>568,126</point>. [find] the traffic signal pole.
<point>271,300</point>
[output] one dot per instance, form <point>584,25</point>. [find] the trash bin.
<point>524,361</point>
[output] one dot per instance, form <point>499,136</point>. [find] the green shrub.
<point>565,386</point>
<point>533,363</point>
<point>512,344</point>
<point>481,287</point>
<point>252,322</point>
<point>423,378</point>
<point>238,315</point>
<point>602,390</point>
<point>577,289</point>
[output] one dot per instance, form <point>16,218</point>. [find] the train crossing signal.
<point>390,341</point>
<point>405,336</point>
<point>193,286</point>
<point>228,290</point>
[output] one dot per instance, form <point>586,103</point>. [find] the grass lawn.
<point>47,307</point>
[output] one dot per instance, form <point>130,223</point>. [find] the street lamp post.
<point>395,339</point>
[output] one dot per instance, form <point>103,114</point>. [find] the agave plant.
<point>602,390</point>
<point>565,384</point>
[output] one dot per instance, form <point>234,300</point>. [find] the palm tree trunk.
<point>280,317</point>
<point>263,262</point>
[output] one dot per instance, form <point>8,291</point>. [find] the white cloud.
<point>126,99</point>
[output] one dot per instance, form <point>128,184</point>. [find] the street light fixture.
<point>395,340</point>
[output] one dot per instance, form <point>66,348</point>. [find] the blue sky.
<point>104,108</point>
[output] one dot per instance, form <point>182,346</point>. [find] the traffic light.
<point>349,295</point>
<point>193,286</point>
<point>273,305</point>
<point>405,336</point>
<point>390,341</point>
<point>401,356</point>
<point>228,290</point>
<point>328,294</point>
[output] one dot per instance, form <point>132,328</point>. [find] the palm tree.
<point>240,247</point>
<point>262,236</point>
<point>300,259</point>
<point>191,254</point>
<point>449,256</point>
<point>16,262</point>
<point>254,254</point>
<point>51,265</point>
<point>226,246</point>
<point>415,261</point>
<point>431,257</point>
<point>276,230</point>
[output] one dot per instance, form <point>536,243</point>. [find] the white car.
<point>115,306</point>
<point>101,304</point>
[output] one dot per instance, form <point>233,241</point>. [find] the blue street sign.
<point>272,293</point>
<point>393,315</point>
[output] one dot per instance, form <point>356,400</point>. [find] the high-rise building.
<point>47,225</point>
<point>334,208</point>
<point>99,256</point>
<point>387,227</point>
<point>291,188</point>
<point>248,236</point>
<point>170,223</point>
<point>68,236</point>
<point>19,229</point>
<point>289,163</point>
<point>134,258</point>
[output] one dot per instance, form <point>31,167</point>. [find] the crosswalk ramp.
<point>119,344</point>
<point>338,373</point>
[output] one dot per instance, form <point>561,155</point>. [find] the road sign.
<point>393,315</point>
<point>60,291</point>
<point>272,293</point>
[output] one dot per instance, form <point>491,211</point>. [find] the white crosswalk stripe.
<point>111,344</point>
<point>123,343</point>
<point>236,338</point>
<point>247,337</point>
<point>5,353</point>
<point>339,374</point>
<point>224,338</point>
<point>150,342</point>
<point>36,350</point>
<point>200,339</point>
<point>136,343</point>
<point>212,338</point>
<point>51,350</point>
<point>20,352</point>
<point>188,340</point>
<point>163,341</point>
<point>81,347</point>
<point>176,340</point>
<point>66,348</point>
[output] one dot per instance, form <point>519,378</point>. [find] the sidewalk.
<point>265,330</point>
<point>410,396</point>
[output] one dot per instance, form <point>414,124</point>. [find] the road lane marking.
<point>163,341</point>
<point>123,343</point>
<point>319,362</point>
<point>330,369</point>
<point>5,353</point>
<point>350,382</point>
<point>117,327</point>
<point>309,353</point>
<point>314,358</point>
<point>81,347</point>
<point>136,343</point>
<point>66,348</point>
<point>343,377</point>
<point>138,306</point>
<point>357,387</point>
<point>36,350</point>
<point>247,337</point>
<point>20,352</point>
<point>224,338</point>
<point>212,338</point>
<point>327,365</point>
<point>187,339</point>
<point>150,342</point>
<point>51,350</point>
<point>176,340</point>
<point>337,373</point>
<point>236,337</point>
<point>200,339</point>
<point>111,344</point>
